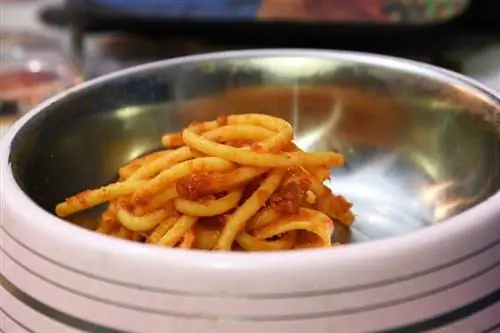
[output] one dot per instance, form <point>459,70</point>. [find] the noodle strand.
<point>238,183</point>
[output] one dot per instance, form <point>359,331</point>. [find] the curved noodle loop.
<point>236,183</point>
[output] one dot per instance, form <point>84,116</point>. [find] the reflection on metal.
<point>128,112</point>
<point>435,192</point>
<point>310,139</point>
<point>445,199</point>
<point>291,67</point>
<point>448,209</point>
<point>445,206</point>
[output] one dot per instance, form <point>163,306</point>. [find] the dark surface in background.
<point>478,25</point>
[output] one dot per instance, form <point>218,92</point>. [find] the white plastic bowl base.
<point>57,277</point>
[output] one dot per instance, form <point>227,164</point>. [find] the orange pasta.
<point>235,183</point>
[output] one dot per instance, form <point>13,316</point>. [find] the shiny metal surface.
<point>421,144</point>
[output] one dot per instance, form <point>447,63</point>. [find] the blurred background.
<point>49,45</point>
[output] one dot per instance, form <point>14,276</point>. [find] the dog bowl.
<point>423,170</point>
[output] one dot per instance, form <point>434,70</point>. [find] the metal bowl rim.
<point>453,227</point>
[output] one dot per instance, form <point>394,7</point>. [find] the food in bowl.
<point>235,183</point>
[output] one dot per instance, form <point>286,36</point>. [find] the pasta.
<point>236,183</point>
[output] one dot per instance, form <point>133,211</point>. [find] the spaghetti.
<point>237,183</point>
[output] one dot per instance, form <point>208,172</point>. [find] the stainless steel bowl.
<point>421,144</point>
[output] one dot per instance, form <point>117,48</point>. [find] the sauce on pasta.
<point>236,183</point>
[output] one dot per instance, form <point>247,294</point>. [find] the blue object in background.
<point>186,9</point>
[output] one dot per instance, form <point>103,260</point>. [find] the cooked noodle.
<point>237,183</point>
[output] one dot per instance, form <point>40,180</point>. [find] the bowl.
<point>422,146</point>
